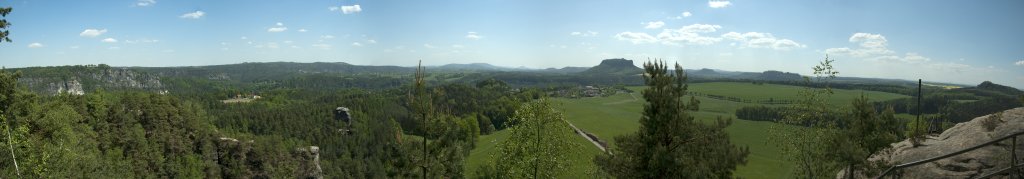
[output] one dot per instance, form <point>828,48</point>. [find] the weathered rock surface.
<point>964,135</point>
<point>309,167</point>
<point>83,79</point>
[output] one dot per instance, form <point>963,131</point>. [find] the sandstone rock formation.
<point>964,135</point>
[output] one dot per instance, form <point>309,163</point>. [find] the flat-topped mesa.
<point>617,66</point>
<point>617,62</point>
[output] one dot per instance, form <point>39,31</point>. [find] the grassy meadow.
<point>618,114</point>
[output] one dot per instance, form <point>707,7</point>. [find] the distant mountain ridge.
<point>477,67</point>
<point>77,79</point>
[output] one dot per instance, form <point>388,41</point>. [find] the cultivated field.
<point>616,115</point>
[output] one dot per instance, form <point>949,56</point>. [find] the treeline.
<point>762,113</point>
<point>959,105</point>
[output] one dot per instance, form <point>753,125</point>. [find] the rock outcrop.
<point>614,67</point>
<point>309,165</point>
<point>83,79</point>
<point>964,135</point>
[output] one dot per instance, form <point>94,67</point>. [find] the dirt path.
<point>584,135</point>
<point>624,101</point>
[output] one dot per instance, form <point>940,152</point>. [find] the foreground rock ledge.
<point>967,165</point>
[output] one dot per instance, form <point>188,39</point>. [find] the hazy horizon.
<point>955,42</point>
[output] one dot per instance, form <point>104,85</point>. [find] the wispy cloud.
<point>762,40</point>
<point>357,44</point>
<point>584,34</point>
<point>279,28</point>
<point>718,3</point>
<point>875,47</point>
<point>322,46</point>
<point>193,15</point>
<point>428,46</point>
<point>346,9</point>
<point>870,45</point>
<point>109,40</point>
<point>144,3</point>
<point>92,32</point>
<point>473,36</point>
<point>654,25</point>
<point>1019,63</point>
<point>636,37</point>
<point>689,35</point>
<point>35,45</point>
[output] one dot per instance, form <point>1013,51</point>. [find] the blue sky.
<point>948,41</point>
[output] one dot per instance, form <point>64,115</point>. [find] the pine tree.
<point>669,143</point>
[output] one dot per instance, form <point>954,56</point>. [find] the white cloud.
<point>73,47</point>
<point>279,28</point>
<point>687,14</point>
<point>584,34</point>
<point>322,46</point>
<point>272,45</point>
<point>357,44</point>
<point>473,36</point>
<point>144,3</point>
<point>870,45</point>
<point>428,46</point>
<point>689,35</point>
<point>193,15</point>
<point>907,58</point>
<point>718,3</point>
<point>244,37</point>
<point>109,40</point>
<point>92,32</point>
<point>141,41</point>
<point>302,30</point>
<point>371,41</point>
<point>700,28</point>
<point>35,45</point>
<point>346,9</point>
<point>636,37</point>
<point>762,40</point>
<point>1019,63</point>
<point>654,25</point>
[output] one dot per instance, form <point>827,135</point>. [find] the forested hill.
<point>273,70</point>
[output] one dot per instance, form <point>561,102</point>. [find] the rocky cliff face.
<point>968,134</point>
<point>82,79</point>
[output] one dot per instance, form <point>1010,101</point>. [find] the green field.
<point>616,115</point>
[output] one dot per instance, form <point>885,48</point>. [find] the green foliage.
<point>826,142</point>
<point>538,147</point>
<point>669,143</point>
<point>4,24</point>
<point>808,146</point>
<point>867,132</point>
